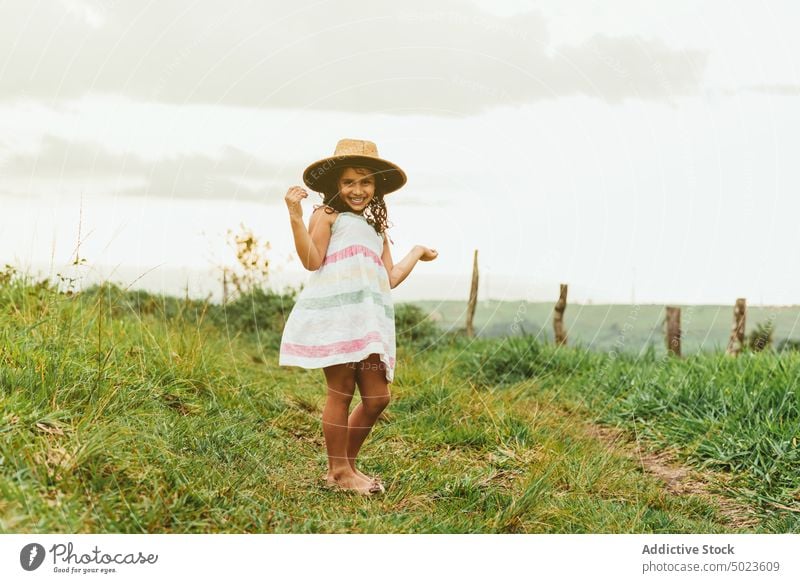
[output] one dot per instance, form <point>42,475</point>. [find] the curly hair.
<point>375,213</point>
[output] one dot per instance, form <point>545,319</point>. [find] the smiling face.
<point>357,187</point>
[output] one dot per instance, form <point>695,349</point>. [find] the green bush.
<point>515,358</point>
<point>414,328</point>
<point>260,312</point>
<point>118,301</point>
<point>789,345</point>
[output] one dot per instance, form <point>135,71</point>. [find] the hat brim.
<point>320,175</point>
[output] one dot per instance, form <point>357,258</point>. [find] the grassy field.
<point>629,328</point>
<point>131,413</point>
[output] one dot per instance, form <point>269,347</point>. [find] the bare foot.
<point>361,474</point>
<point>352,481</point>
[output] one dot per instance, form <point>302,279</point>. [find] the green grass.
<point>740,415</point>
<point>119,418</point>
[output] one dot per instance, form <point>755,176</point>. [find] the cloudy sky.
<point>633,149</point>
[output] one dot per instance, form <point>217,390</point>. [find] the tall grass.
<point>126,412</point>
<point>741,415</point>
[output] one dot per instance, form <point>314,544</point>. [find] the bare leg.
<point>340,379</point>
<point>371,380</point>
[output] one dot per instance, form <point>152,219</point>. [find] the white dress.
<point>345,312</point>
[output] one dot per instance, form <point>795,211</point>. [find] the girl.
<point>343,320</point>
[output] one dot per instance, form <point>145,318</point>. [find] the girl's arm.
<point>397,273</point>
<point>386,258</point>
<point>312,244</point>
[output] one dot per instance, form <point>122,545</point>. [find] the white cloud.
<point>91,13</point>
<point>64,166</point>
<point>449,58</point>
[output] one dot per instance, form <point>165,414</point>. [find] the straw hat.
<point>354,153</point>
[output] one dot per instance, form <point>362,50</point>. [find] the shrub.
<point>257,311</point>
<point>118,301</point>
<point>514,358</point>
<point>789,345</point>
<point>414,327</point>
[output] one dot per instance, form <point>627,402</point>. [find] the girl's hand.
<point>293,197</point>
<point>428,254</point>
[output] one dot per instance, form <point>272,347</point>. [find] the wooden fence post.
<point>674,331</point>
<point>558,317</point>
<point>736,342</point>
<point>473,296</point>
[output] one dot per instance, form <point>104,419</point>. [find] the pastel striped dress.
<point>345,311</point>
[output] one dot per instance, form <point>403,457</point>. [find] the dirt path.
<point>677,478</point>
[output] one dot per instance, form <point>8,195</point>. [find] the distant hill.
<point>628,328</point>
